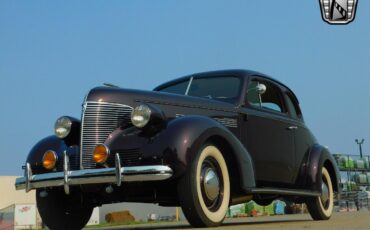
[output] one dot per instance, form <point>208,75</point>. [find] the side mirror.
<point>261,88</point>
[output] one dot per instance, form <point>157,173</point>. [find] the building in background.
<point>10,196</point>
<point>17,208</point>
<point>19,216</point>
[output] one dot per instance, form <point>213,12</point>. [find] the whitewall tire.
<point>321,207</point>
<point>204,191</point>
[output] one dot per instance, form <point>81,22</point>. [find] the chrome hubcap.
<point>324,194</point>
<point>211,184</point>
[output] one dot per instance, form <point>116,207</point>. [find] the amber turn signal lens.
<point>101,153</point>
<point>49,159</point>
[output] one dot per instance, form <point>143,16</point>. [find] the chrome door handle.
<point>292,127</point>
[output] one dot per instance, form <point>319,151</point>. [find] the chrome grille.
<point>99,119</point>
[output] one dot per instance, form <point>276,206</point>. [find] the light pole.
<point>360,145</point>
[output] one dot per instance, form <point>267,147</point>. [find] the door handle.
<point>292,127</point>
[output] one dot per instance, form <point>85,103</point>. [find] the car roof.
<point>235,72</point>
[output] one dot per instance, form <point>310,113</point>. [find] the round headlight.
<point>62,127</point>
<point>140,116</point>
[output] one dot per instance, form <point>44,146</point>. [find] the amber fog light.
<point>101,154</point>
<point>49,159</point>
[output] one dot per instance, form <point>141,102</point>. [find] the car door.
<point>268,134</point>
<point>303,138</point>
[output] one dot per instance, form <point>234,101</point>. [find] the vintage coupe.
<point>202,142</point>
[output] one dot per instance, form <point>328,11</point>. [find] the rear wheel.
<point>321,208</point>
<point>63,212</point>
<point>204,191</point>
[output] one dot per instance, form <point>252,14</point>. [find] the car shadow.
<point>229,224</point>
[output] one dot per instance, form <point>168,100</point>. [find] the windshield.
<point>224,88</point>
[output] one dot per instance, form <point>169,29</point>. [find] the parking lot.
<point>343,220</point>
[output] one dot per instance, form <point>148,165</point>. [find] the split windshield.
<point>218,88</point>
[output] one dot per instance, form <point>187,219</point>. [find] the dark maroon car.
<point>203,142</point>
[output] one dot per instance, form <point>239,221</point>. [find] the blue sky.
<point>53,52</point>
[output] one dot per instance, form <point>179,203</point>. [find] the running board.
<point>290,192</point>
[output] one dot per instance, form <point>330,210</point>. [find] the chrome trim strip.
<point>84,105</point>
<point>188,87</point>
<point>227,122</point>
<point>96,176</point>
<point>108,103</point>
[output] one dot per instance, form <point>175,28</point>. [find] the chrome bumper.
<point>115,175</point>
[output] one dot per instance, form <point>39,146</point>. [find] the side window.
<point>215,87</point>
<point>179,88</point>
<point>271,99</point>
<point>293,107</point>
<point>253,97</point>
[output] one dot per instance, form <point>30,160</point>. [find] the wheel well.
<point>329,166</point>
<point>228,154</point>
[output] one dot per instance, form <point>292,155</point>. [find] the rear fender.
<point>320,156</point>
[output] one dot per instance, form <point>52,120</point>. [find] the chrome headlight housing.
<point>140,116</point>
<point>63,127</point>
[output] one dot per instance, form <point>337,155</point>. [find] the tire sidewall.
<point>214,218</point>
<point>327,212</point>
<point>315,205</point>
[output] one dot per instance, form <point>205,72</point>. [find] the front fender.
<point>180,140</point>
<point>59,146</point>
<point>320,156</point>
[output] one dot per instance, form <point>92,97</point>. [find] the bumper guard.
<point>115,175</point>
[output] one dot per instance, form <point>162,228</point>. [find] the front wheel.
<point>321,207</point>
<point>204,191</point>
<point>63,212</point>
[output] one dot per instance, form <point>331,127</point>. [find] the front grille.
<point>128,157</point>
<point>99,119</point>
